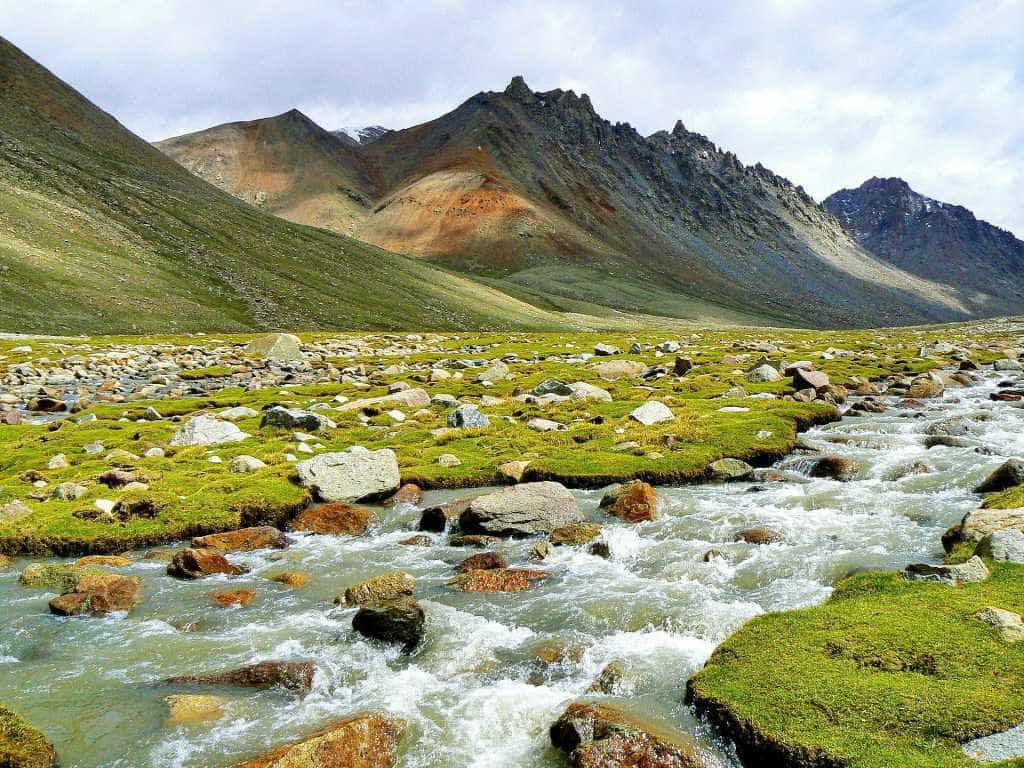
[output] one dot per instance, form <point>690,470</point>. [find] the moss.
<point>21,745</point>
<point>887,672</point>
<point>212,372</point>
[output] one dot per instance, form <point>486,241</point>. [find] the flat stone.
<point>352,475</point>
<point>364,741</point>
<point>522,510</point>
<point>205,430</point>
<point>652,412</point>
<point>243,539</point>
<point>971,572</point>
<point>336,519</point>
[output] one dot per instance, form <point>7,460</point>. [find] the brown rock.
<point>410,493</point>
<point>387,586</point>
<point>99,594</point>
<point>243,540</point>
<point>117,478</point>
<point>6,562</point>
<point>497,580</point>
<point>363,741</point>
<point>197,563</point>
<point>293,675</point>
<point>419,540</point>
<point>836,468</point>
<point>229,597</point>
<point>397,620</point>
<point>337,518</point>
<point>483,561</point>
<point>193,708</point>
<point>478,540</point>
<point>808,379</point>
<point>575,534</point>
<point>758,536</point>
<point>601,736</point>
<point>633,502</point>
<point>293,579</point>
<point>440,517</point>
<point>110,561</point>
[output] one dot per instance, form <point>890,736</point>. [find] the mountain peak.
<point>518,89</point>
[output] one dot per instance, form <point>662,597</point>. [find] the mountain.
<point>936,241</point>
<point>101,232</point>
<point>365,135</point>
<point>535,193</point>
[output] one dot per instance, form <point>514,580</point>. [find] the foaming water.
<point>475,693</point>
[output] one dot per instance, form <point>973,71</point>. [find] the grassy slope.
<point>114,236</point>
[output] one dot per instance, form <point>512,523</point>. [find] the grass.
<point>191,495</point>
<point>886,673</point>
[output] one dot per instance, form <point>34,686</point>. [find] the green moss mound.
<point>888,672</point>
<point>21,745</point>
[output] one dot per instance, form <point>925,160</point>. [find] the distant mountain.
<point>365,135</point>
<point>537,194</point>
<point>937,241</point>
<point>100,232</point>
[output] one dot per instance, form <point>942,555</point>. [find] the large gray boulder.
<point>467,417</point>
<point>284,347</point>
<point>971,572</point>
<point>206,430</point>
<point>980,523</point>
<point>351,475</point>
<point>1005,546</point>
<point>764,373</point>
<point>1006,476</point>
<point>527,509</point>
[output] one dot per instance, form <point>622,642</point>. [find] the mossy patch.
<point>21,745</point>
<point>887,672</point>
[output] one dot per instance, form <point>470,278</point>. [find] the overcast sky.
<point>825,93</point>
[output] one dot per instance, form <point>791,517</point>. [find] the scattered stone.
<point>979,523</point>
<point>99,594</point>
<point>1008,475</point>
<point>448,460</point>
<point>387,586</point>
<point>231,597</point>
<point>246,465</point>
<point>291,675</point>
<point>243,540</point>
<point>527,509</point>
<point>539,552</point>
<point>197,563</point>
<point>22,746</point>
<point>544,425</point>
<point>107,561</point>
<point>806,378</point>
<point>280,417</point>
<point>59,461</point>
<point>467,417</point>
<point>419,540</point>
<point>605,350</point>
<point>610,679</point>
<point>835,468</point>
<point>13,512</point>
<point>282,347</point>
<point>68,491</point>
<point>497,372</point>
<point>1005,546</point>
<point>514,470</point>
<point>611,370</point>
<point>971,572</point>
<point>730,470</point>
<point>758,536</point>
<point>482,562</point>
<point>335,519</point>
<point>410,493</point>
<point>652,412</point>
<point>552,387</point>
<point>363,741</point>
<point>352,475</point>
<point>764,373</point>
<point>575,534</point>
<point>398,620</point>
<point>581,392</point>
<point>928,385</point>
<point>634,502</point>
<point>293,579</point>
<point>57,577</point>
<point>497,580</point>
<point>238,413</point>
<point>205,430</point>
<point>1009,624</point>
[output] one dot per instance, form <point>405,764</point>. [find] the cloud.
<point>826,93</point>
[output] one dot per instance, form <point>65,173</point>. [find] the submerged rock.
<point>387,586</point>
<point>292,675</point>
<point>758,536</point>
<point>527,509</point>
<point>336,519</point>
<point>497,580</point>
<point>197,563</point>
<point>363,741</point>
<point>575,534</point>
<point>482,562</point>
<point>835,468</point>
<point>99,594</point>
<point>600,736</point>
<point>185,709</point>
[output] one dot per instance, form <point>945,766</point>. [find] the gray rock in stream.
<point>528,509</point>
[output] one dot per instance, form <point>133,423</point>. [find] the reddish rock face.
<point>337,519</point>
<point>483,562</point>
<point>758,536</point>
<point>98,594</point>
<point>636,502</point>
<point>197,563</point>
<point>498,580</point>
<point>410,493</point>
<point>243,540</point>
<point>363,741</point>
<point>231,597</point>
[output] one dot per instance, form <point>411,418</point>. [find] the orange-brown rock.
<point>410,493</point>
<point>99,594</point>
<point>498,580</point>
<point>110,561</point>
<point>634,502</point>
<point>197,563</point>
<point>293,579</point>
<point>364,741</point>
<point>229,597</point>
<point>243,540</point>
<point>337,519</point>
<point>293,675</point>
<point>482,562</point>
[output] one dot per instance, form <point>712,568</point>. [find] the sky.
<point>825,93</point>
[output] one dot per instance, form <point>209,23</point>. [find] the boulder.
<point>726,470</point>
<point>1006,546</point>
<point>514,470</point>
<point>835,468</point>
<point>387,586</point>
<point>980,523</point>
<point>197,563</point>
<point>13,512</point>
<point>467,417</point>
<point>971,572</point>
<point>634,502</point>
<point>1008,475</point>
<point>291,675</point>
<point>362,741</point>
<point>527,509</point>
<point>552,387</point>
<point>21,745</point>
<point>575,534</point>
<point>337,519</point>
<point>484,561</point>
<point>108,561</point>
<point>652,412</point>
<point>410,398</point>
<point>283,347</point>
<point>496,372</point>
<point>439,517</point>
<point>246,465</point>
<point>57,577</point>
<point>286,418</point>
<point>611,370</point>
<point>206,430</point>
<point>293,579</point>
<point>544,425</point>
<point>497,580</point>
<point>601,736</point>
<point>188,709</point>
<point>928,385</point>
<point>581,392</point>
<point>243,540</point>
<point>399,620</point>
<point>351,475</point>
<point>605,350</point>
<point>805,378</point>
<point>237,413</point>
<point>1009,624</point>
<point>410,493</point>
<point>764,373</point>
<point>99,594</point>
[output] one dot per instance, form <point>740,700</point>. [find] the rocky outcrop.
<point>291,675</point>
<point>527,509</point>
<point>362,741</point>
